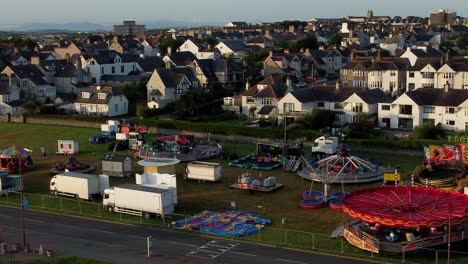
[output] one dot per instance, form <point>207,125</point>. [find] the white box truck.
<point>159,180</point>
<point>67,147</point>
<point>327,145</point>
<point>204,171</point>
<point>138,200</point>
<point>79,185</point>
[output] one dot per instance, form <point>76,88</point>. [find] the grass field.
<point>193,196</point>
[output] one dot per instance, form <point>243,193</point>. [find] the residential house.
<point>237,24</point>
<point>102,101</point>
<point>326,97</point>
<point>443,107</point>
<point>110,63</point>
<point>167,84</point>
<point>393,43</point>
<point>66,50</point>
<point>260,41</point>
<point>126,46</point>
<point>31,82</point>
<point>232,48</point>
<point>71,78</point>
<point>330,60</point>
<point>180,59</point>
<point>10,102</point>
<point>433,74</point>
<point>361,102</point>
<point>261,100</point>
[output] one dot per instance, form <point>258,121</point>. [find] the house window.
<point>179,89</point>
<point>24,83</point>
<point>392,86</point>
<point>116,108</point>
<point>229,101</point>
<point>385,107</point>
<point>102,70</point>
<point>113,69</point>
<point>250,100</point>
<point>427,75</point>
<point>267,101</point>
<point>450,110</point>
<point>411,86</point>
<point>122,68</point>
<point>85,95</point>
<point>92,62</point>
<point>356,107</point>
<point>392,73</point>
<point>320,104</point>
<point>288,107</point>
<point>450,122</point>
<point>428,121</point>
<point>338,106</point>
<point>102,96</point>
<point>429,109</point>
<point>344,72</point>
<point>411,74</point>
<point>354,119</point>
<point>448,75</point>
<point>406,110</point>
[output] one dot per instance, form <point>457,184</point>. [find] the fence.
<point>282,237</point>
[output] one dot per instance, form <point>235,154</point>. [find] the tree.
<point>363,126</point>
<point>136,92</point>
<point>28,108</point>
<point>252,110</point>
<point>462,42</point>
<point>318,119</point>
<point>335,40</point>
<point>169,42</point>
<point>307,43</point>
<point>428,131</point>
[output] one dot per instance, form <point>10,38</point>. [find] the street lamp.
<point>243,79</point>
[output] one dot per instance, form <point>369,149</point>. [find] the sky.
<point>211,11</point>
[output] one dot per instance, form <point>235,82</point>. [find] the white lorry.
<point>138,200</point>
<point>79,185</point>
<point>203,171</point>
<point>325,144</point>
<point>159,180</point>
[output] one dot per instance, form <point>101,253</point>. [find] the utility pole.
<point>449,232</point>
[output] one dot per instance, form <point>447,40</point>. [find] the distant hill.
<point>73,26</point>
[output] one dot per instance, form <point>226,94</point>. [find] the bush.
<point>318,119</point>
<point>47,109</point>
<point>428,131</point>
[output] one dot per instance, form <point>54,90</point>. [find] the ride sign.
<point>358,242</point>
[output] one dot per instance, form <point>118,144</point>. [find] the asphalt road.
<point>117,243</point>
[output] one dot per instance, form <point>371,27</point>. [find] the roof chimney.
<point>35,60</point>
<point>98,87</point>
<point>288,81</point>
<point>447,86</point>
<point>169,50</point>
<point>247,84</point>
<point>338,84</point>
<point>168,65</point>
<point>286,51</point>
<point>271,53</point>
<point>322,47</point>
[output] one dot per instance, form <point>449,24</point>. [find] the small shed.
<point>67,147</point>
<point>117,165</point>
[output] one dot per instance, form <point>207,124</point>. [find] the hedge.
<point>232,130</point>
<point>414,144</point>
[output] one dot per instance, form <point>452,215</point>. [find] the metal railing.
<point>282,237</point>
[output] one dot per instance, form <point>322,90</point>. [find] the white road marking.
<point>291,261</point>
<point>139,237</point>
<point>69,226</point>
<point>183,244</point>
<point>34,220</point>
<point>102,231</point>
<point>242,253</point>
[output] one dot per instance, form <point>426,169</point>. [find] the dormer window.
<point>117,60</point>
<point>85,95</point>
<point>102,96</point>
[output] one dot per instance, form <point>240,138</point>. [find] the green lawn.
<point>193,196</point>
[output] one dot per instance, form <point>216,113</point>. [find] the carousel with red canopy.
<point>15,158</point>
<point>402,218</point>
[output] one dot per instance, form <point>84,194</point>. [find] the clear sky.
<point>211,11</point>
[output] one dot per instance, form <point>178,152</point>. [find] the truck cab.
<point>108,199</point>
<point>327,145</point>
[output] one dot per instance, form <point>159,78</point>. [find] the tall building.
<point>129,28</point>
<point>370,14</point>
<point>442,17</point>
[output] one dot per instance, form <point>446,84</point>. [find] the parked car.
<point>301,84</point>
<point>98,139</point>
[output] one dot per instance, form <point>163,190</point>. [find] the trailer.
<point>78,185</point>
<point>203,171</point>
<point>117,165</point>
<point>110,127</point>
<point>68,147</point>
<point>139,200</point>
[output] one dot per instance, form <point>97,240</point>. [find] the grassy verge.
<point>68,260</point>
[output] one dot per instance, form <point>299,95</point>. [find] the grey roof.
<point>151,63</point>
<point>30,72</point>
<point>117,158</point>
<point>438,97</point>
<point>234,44</point>
<point>374,96</point>
<point>325,93</point>
<point>266,110</point>
<point>421,64</point>
<point>182,58</point>
<point>94,99</point>
<point>167,76</point>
